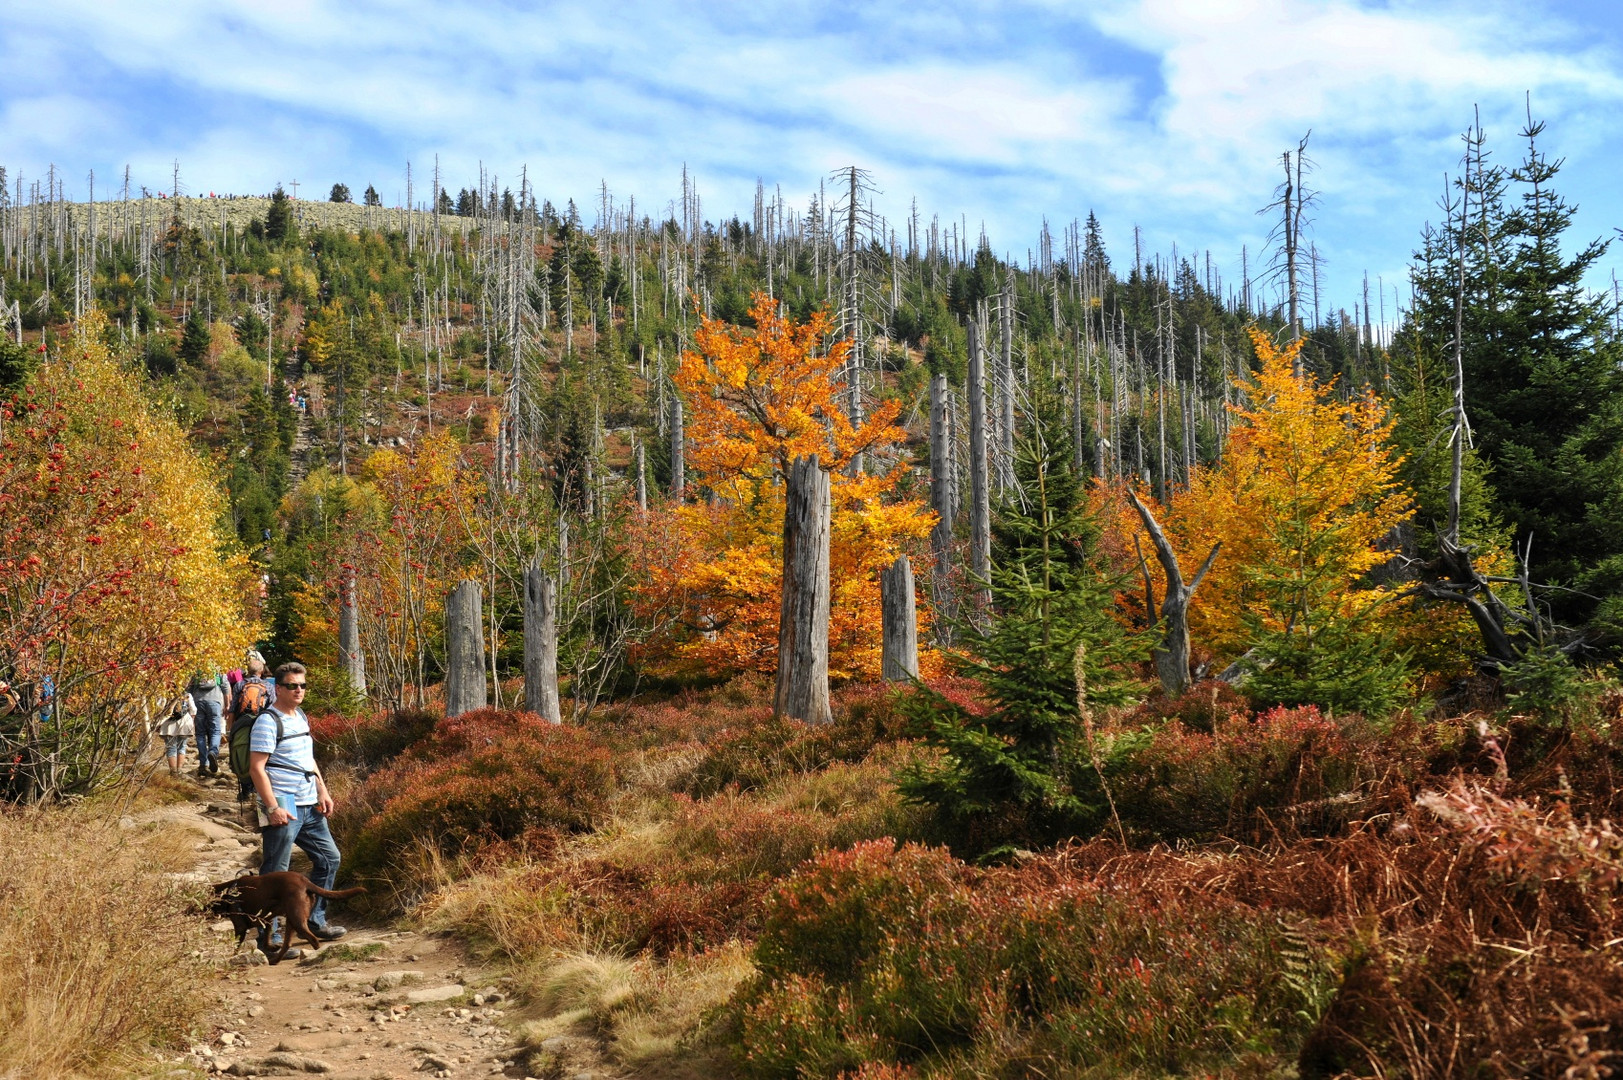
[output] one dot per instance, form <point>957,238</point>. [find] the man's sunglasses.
<point>292,685</point>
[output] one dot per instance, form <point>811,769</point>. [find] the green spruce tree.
<point>195,338</point>
<point>279,225</point>
<point>1020,771</point>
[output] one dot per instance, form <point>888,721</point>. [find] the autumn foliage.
<point>757,399</point>
<point>116,577</point>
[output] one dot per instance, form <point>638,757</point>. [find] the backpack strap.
<point>280,739</point>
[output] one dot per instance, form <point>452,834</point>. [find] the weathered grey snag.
<point>980,505</point>
<point>678,444</point>
<point>943,500</point>
<point>642,479</point>
<point>900,634</point>
<point>1172,655</point>
<point>540,645</point>
<point>1005,393</point>
<point>802,690</point>
<point>350,660</point>
<point>464,649</point>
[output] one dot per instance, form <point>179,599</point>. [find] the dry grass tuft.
<point>96,945</point>
<point>644,1013</point>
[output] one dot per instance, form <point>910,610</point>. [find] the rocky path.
<point>381,1004</point>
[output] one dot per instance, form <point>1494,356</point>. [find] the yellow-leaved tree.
<point>757,399</point>
<point>118,576</point>
<point>1305,502</point>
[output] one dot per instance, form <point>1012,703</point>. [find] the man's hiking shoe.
<point>328,933</point>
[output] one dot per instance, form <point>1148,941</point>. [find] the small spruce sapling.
<point>1023,771</point>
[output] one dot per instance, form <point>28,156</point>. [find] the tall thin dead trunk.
<point>899,657</point>
<point>540,645</point>
<point>802,687</point>
<point>678,446</point>
<point>943,500</point>
<point>464,649</point>
<point>350,660</point>
<point>980,506</point>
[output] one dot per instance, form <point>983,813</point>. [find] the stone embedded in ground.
<point>251,958</point>
<point>436,993</point>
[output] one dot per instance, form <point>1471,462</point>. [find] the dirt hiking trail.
<point>382,1003</point>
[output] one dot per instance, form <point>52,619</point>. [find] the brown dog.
<point>257,899</point>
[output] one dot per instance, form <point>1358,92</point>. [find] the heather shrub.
<point>478,779</point>
<point>365,743</point>
<point>906,956</point>
<point>1200,708</point>
<point>681,876</point>
<point>1248,775</point>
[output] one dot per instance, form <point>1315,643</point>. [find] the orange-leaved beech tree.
<point>117,576</point>
<point>757,399</point>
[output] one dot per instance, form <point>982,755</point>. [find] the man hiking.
<point>293,799</point>
<point>210,694</point>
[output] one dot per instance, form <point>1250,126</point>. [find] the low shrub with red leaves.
<point>901,955</point>
<point>481,778</point>
<point>365,743</point>
<point>1244,778</point>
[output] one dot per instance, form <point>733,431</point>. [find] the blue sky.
<point>1166,114</point>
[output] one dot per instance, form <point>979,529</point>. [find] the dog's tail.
<point>341,894</point>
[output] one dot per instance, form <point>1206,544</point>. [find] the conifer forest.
<point>791,641</point>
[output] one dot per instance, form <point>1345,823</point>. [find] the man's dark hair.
<point>292,667</point>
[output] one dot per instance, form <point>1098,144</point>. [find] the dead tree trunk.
<point>1172,654</point>
<point>464,649</point>
<point>678,444</point>
<point>642,479</point>
<point>943,500</point>
<point>1005,392</point>
<point>802,690</point>
<point>980,505</point>
<point>540,645</point>
<point>350,660</point>
<point>1459,581</point>
<point>900,635</point>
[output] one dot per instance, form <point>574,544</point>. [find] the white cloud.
<point>1171,113</point>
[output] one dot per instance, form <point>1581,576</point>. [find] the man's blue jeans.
<point>208,733</point>
<point>309,830</point>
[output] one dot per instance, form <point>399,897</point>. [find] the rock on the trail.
<point>251,958</point>
<point>295,1062</point>
<point>390,980</point>
<point>436,993</point>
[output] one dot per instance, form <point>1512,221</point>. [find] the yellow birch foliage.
<point>118,575</point>
<point>1304,498</point>
<point>407,564</point>
<point>756,400</point>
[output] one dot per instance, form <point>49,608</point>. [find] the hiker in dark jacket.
<point>209,692</point>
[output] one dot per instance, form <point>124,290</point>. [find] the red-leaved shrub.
<point>893,954</point>
<point>1247,778</point>
<point>480,778</point>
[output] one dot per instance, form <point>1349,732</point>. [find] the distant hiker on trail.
<point>293,800</point>
<point>254,690</point>
<point>209,692</point>
<point>176,727</point>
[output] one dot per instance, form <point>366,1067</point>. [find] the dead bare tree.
<point>1172,654</point>
<point>802,686</point>
<point>1505,630</point>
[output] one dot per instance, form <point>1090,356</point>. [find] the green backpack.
<point>240,738</point>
